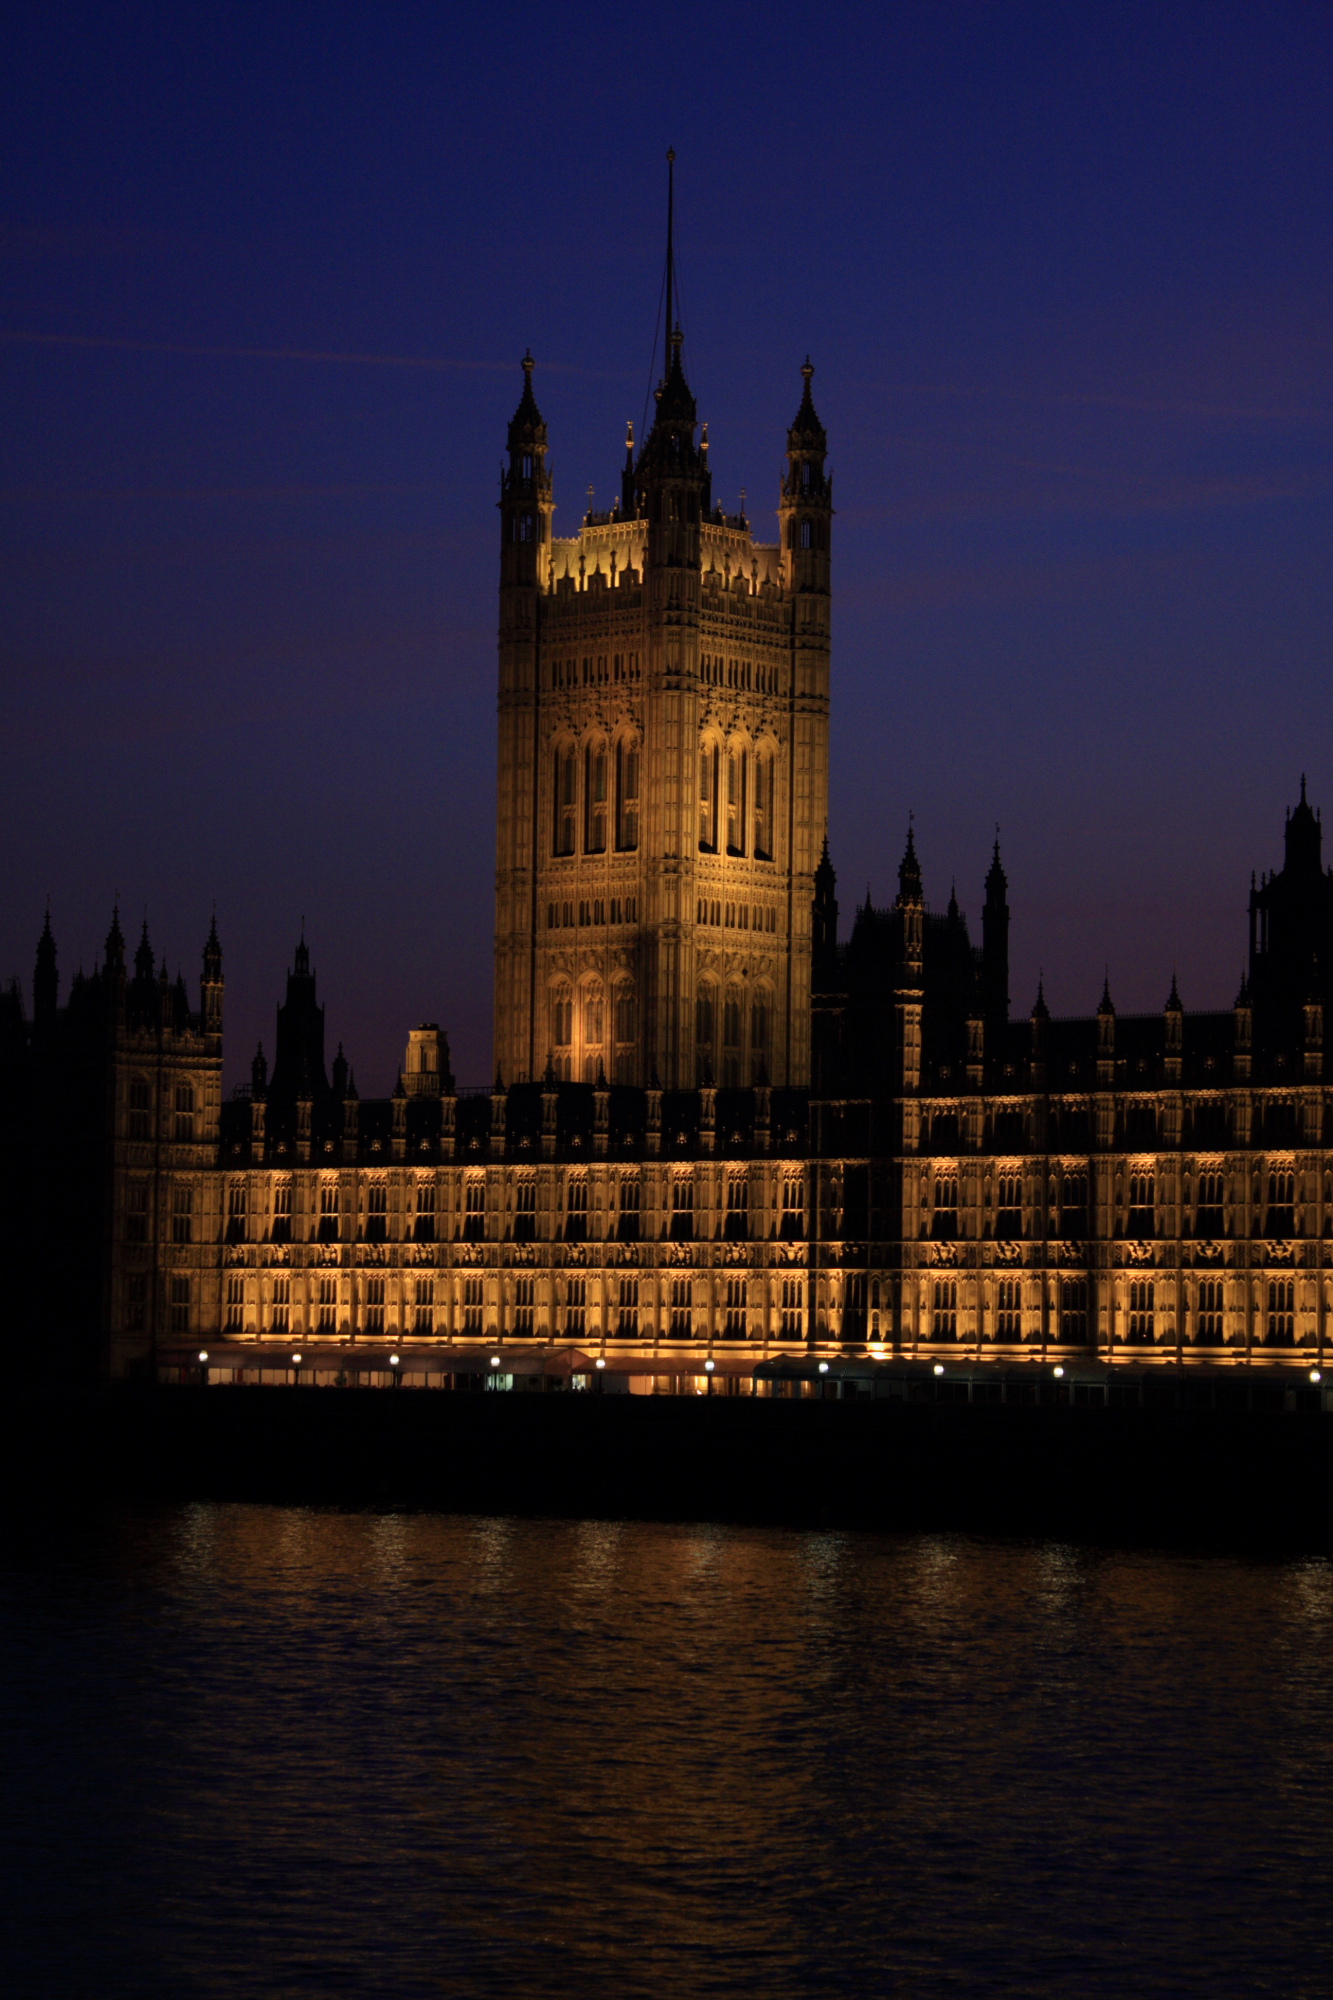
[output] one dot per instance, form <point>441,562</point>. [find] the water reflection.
<point>269,1751</point>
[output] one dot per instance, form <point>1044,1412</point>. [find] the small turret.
<point>995,942</point>
<point>806,512</point>
<point>824,934</point>
<point>45,980</point>
<point>212,985</point>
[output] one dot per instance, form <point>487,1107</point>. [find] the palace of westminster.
<point>719,1133</point>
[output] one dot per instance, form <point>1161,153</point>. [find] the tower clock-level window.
<point>627,794</point>
<point>736,774</point>
<point>763,805</point>
<point>708,777</point>
<point>566,790</point>
<point>595,790</point>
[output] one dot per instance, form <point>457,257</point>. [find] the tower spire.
<point>671,313</point>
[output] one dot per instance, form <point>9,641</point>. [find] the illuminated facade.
<point>720,1133</point>
<point>663,765</point>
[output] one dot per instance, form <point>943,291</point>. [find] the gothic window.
<point>184,1121</point>
<point>423,1302</point>
<point>374,1305</point>
<point>736,775</point>
<point>282,1304</point>
<point>282,1212</point>
<point>474,1296</point>
<point>760,1015</point>
<point>1074,1311</point>
<point>630,1198</point>
<point>576,1212</point>
<point>425,1219</point>
<point>328,1212</point>
<point>235,1304</point>
<point>377,1213</point>
<point>1281,1312</point>
<point>705,1025</point>
<point>1281,1204</point>
<point>524,1289</point>
<point>682,1210</point>
<point>562,1029</point>
<point>627,794</point>
<point>628,1323</point>
<point>136,1212</point>
<point>595,788</point>
<point>944,1226</point>
<point>1208,1325</point>
<point>708,802</point>
<point>182,1214</point>
<point>1209,1215</point>
<point>327,1320</point>
<point>731,1019</point>
<point>1141,1331</point>
<point>136,1303</point>
<point>140,1107</point>
<point>525,1212</point>
<point>527,465</point>
<point>736,1224</point>
<point>1009,1309</point>
<point>1142,1205</point>
<point>594,1029</point>
<point>792,1226</point>
<point>474,1212</point>
<point>805,535</point>
<point>805,473</point>
<point>1009,1206</point>
<point>566,783</point>
<point>1074,1205</point>
<point>180,1305</point>
<point>790,1309</point>
<point>763,805</point>
<point>944,1310</point>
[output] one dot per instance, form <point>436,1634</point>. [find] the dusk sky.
<point>1066,276</point>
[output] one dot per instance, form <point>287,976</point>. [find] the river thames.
<point>273,1751</point>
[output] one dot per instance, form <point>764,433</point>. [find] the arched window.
<point>527,465</point>
<point>708,775</point>
<point>565,784</point>
<point>562,1030</point>
<point>805,535</point>
<point>625,1025</point>
<point>627,794</point>
<point>595,788</point>
<point>731,1037</point>
<point>594,1029</point>
<point>184,1120</point>
<point>736,775</point>
<point>760,1028</point>
<point>705,1027</point>
<point>763,804</point>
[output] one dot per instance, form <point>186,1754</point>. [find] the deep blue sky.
<point>1066,274</point>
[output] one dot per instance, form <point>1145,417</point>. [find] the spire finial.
<point>528,363</point>
<point>672,304</point>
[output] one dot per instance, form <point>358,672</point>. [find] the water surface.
<point>265,1751</point>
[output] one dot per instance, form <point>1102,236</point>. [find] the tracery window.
<point>736,778</point>
<point>140,1107</point>
<point>1281,1312</point>
<point>708,801</point>
<point>763,805</point>
<point>627,794</point>
<point>705,1025</point>
<point>1141,1312</point>
<point>944,1310</point>
<point>1009,1309</point>
<point>184,1121</point>
<point>565,793</point>
<point>595,794</point>
<point>1208,1325</point>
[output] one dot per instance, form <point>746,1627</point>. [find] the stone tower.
<point>663,763</point>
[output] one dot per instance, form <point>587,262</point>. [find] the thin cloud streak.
<point>434,363</point>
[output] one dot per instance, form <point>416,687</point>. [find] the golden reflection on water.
<point>280,1751</point>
